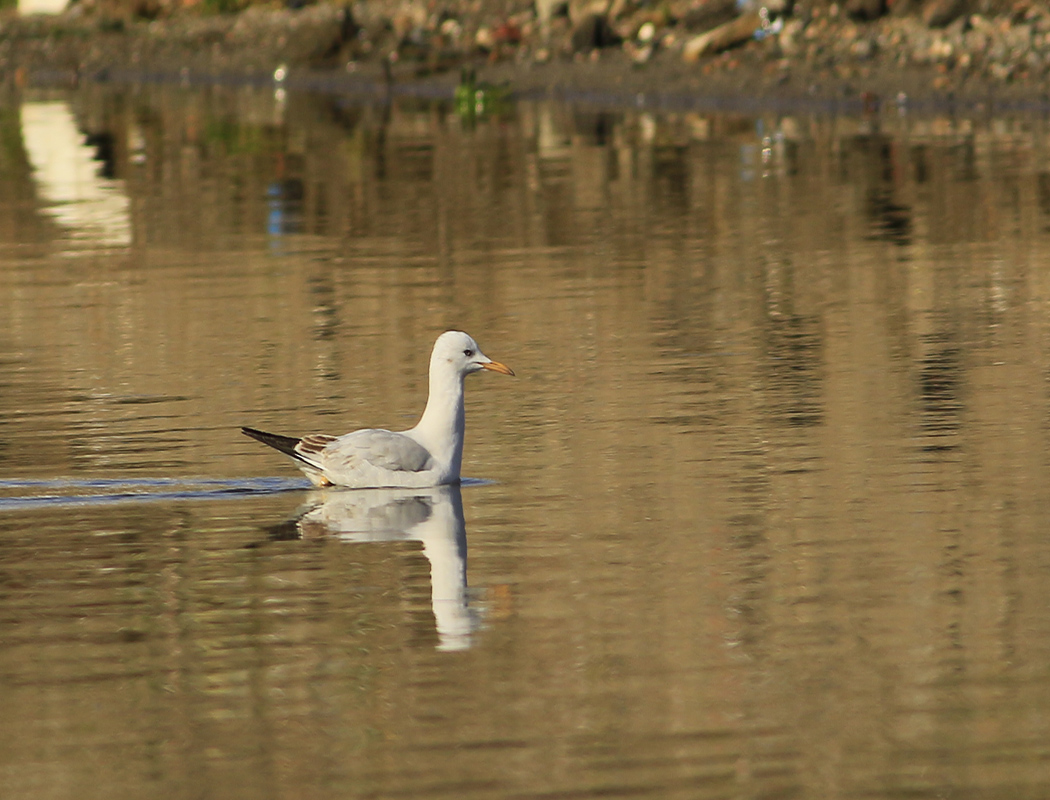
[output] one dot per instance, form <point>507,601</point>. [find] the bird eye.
<point>468,353</point>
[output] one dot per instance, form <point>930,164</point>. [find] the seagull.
<point>430,454</point>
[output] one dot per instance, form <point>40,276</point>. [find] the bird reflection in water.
<point>432,516</point>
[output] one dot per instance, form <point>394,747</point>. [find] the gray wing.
<point>383,449</point>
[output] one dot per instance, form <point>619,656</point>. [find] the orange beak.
<point>495,366</point>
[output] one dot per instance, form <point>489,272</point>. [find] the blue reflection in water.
<point>285,210</point>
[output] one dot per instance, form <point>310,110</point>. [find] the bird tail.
<point>286,444</point>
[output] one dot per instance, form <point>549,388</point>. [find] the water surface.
<point>763,514</point>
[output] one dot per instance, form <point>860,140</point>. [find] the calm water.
<point>764,514</point>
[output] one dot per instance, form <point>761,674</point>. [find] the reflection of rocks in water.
<point>964,162</point>
<point>671,174</point>
<point>594,128</point>
<point>794,368</point>
<point>920,163</point>
<point>73,176</point>
<point>325,307</point>
<point>1043,194</point>
<point>285,206</point>
<point>890,221</point>
<point>433,517</point>
<point>940,377</point>
<point>751,554</point>
<point>105,153</point>
<point>325,311</point>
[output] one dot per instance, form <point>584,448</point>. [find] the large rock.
<point>939,13</point>
<point>708,14</point>
<point>299,36</point>
<point>865,9</point>
<point>723,37</point>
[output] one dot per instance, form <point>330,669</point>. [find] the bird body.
<point>430,454</point>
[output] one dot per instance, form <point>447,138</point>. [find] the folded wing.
<point>380,448</point>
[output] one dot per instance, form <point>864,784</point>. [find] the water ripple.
<point>62,492</point>
<point>101,491</point>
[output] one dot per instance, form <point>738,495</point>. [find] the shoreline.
<point>752,77</point>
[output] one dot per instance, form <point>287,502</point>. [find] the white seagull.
<point>429,454</point>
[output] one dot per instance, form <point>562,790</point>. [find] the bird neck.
<point>440,429</point>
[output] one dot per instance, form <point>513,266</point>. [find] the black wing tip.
<point>286,444</point>
<point>255,433</point>
<point>262,436</point>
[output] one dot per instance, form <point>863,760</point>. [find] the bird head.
<point>462,353</point>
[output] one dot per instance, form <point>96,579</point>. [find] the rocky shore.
<point>862,54</point>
